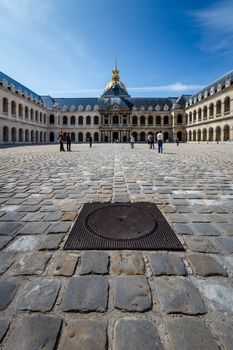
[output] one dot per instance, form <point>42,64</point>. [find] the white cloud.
<point>216,24</point>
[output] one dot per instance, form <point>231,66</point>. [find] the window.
<point>96,120</point>
<point>5,105</point>
<point>80,120</point>
<point>65,120</point>
<point>72,120</point>
<point>51,119</point>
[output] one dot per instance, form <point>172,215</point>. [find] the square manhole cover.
<point>137,226</point>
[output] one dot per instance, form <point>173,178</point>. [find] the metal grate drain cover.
<point>137,226</point>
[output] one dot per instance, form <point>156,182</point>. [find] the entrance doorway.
<point>115,136</point>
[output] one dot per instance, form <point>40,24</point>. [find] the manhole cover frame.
<point>162,238</point>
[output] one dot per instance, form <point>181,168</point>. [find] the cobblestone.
<point>42,192</point>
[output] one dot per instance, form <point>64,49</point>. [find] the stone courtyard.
<point>119,300</point>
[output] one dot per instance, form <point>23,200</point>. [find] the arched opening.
<point>51,136</point>
<point>51,119</point>
<point>166,136</point>
<point>44,118</point>
<point>218,133</point>
<point>211,134</point>
<point>26,112</point>
<point>226,133</point>
<point>205,113</point>
<point>194,135</point>
<point>142,136</point>
<point>150,120</point>
<point>65,120</point>
<point>96,137</point>
<point>72,137</point>
<point>135,120</point>
<point>13,108</point>
<point>32,136</point>
<point>36,116</point>
<point>211,110</point>
<point>135,135</point>
<point>194,116</point>
<point>20,110</point>
<point>72,120</point>
<point>190,135</point>
<point>115,136</point>
<point>32,114</point>
<point>13,134</point>
<point>41,138</point>
<point>179,119</point>
<point>142,120</point>
<point>166,120</point>
<point>80,120</point>
<point>115,119</point>
<point>88,134</point>
<point>179,135</point>
<point>190,117</point>
<point>37,136</point>
<point>204,135</point>
<point>158,120</point>
<point>199,114</point>
<point>227,105</point>
<point>198,135</point>
<point>5,134</point>
<point>40,117</point>
<point>26,135</point>
<point>20,135</point>
<point>88,120</point>
<point>5,105</point>
<point>44,136</point>
<point>96,120</point>
<point>80,137</point>
<point>218,107</point>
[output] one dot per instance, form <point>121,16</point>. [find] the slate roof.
<point>18,85</point>
<point>222,80</point>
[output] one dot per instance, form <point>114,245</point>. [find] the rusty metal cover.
<point>137,226</point>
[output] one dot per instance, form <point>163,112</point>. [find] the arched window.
<point>211,134</point>
<point>205,112</point>
<point>204,135</point>
<point>135,120</point>
<point>166,136</point>
<point>26,112</point>
<point>194,135</point>
<point>179,135</point>
<point>65,120</point>
<point>80,120</point>
<point>44,118</point>
<point>13,108</point>
<point>72,120</point>
<point>194,117</point>
<point>179,119</point>
<point>32,136</point>
<point>166,120</point>
<point>226,133</point>
<point>211,110</point>
<point>51,136</point>
<point>190,117</point>
<point>158,120</point>
<point>115,119</point>
<point>142,136</point>
<point>13,134</point>
<point>142,120</point>
<point>218,133</point>
<point>227,105</point>
<point>51,119</point>
<point>40,117</point>
<point>27,135</point>
<point>218,107</point>
<point>44,136</point>
<point>96,137</point>
<point>199,115</point>
<point>5,134</point>
<point>20,135</point>
<point>135,135</point>
<point>80,137</point>
<point>198,135</point>
<point>150,120</point>
<point>96,120</point>
<point>36,116</point>
<point>20,109</point>
<point>32,114</point>
<point>37,136</point>
<point>5,105</point>
<point>41,138</point>
<point>88,120</point>
<point>190,135</point>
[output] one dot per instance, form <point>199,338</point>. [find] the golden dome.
<point>115,80</point>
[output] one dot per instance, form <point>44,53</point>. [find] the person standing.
<point>160,142</point>
<point>177,141</point>
<point>90,141</point>
<point>61,140</point>
<point>68,142</point>
<point>149,141</point>
<point>132,141</point>
<point>152,141</point>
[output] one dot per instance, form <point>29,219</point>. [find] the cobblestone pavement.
<point>120,300</point>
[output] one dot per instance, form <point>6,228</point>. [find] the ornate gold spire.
<point>115,80</point>
<point>115,73</point>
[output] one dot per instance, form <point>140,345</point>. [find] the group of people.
<point>151,141</point>
<point>64,138</point>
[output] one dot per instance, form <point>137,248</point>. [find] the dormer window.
<point>96,107</point>
<point>157,108</point>
<point>206,94</point>
<point>166,108</point>
<point>80,108</point>
<point>212,90</point>
<point>65,108</point>
<point>4,84</point>
<point>142,108</point>
<point>88,108</point>
<point>227,82</point>
<point>12,88</point>
<point>199,97</point>
<point>219,87</point>
<point>72,108</point>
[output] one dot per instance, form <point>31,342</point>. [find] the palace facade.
<point>26,117</point>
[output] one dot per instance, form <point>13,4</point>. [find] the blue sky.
<point>163,47</point>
